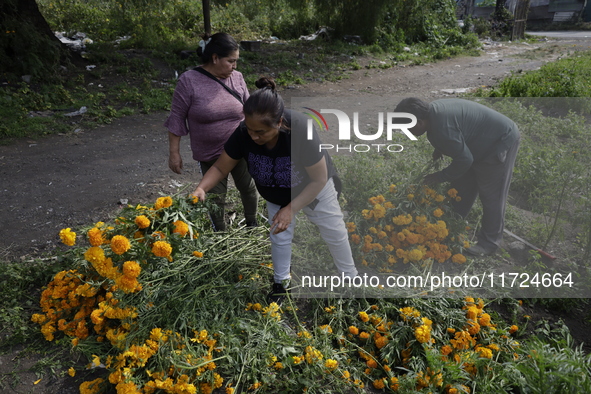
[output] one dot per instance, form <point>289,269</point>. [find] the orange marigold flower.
<point>94,255</point>
<point>163,202</point>
<point>484,320</point>
<point>363,316</point>
<point>142,221</point>
<point>131,269</point>
<point>68,237</point>
<point>438,213</point>
<point>120,244</point>
<point>92,387</point>
<point>180,228</point>
<point>379,384</point>
<point>452,193</point>
<point>356,239</point>
<point>353,330</point>
<point>95,236</point>
<point>446,349</point>
<point>513,329</point>
<point>381,342</point>
<point>484,352</point>
<point>364,335</point>
<point>371,363</point>
<point>162,249</point>
<point>423,333</point>
<point>415,255</point>
<point>458,258</point>
<point>198,254</point>
<point>331,364</point>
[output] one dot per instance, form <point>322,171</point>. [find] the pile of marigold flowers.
<point>102,298</point>
<point>403,350</point>
<point>164,305</point>
<point>410,224</point>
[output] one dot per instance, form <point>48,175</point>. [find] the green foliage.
<point>568,77</point>
<point>552,169</point>
<point>19,291</point>
<point>482,27</point>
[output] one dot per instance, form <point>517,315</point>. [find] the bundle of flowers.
<point>409,224</point>
<point>126,302</point>
<point>401,349</point>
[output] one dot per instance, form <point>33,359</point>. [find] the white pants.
<point>327,216</point>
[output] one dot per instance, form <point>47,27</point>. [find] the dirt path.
<point>74,180</point>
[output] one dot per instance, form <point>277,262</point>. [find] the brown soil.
<point>77,179</point>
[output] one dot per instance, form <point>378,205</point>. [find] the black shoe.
<point>478,250</point>
<point>277,294</point>
<point>252,224</point>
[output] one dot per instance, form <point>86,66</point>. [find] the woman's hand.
<point>175,162</point>
<point>199,193</point>
<point>281,220</point>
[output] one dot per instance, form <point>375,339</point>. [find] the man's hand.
<point>175,162</point>
<point>281,220</point>
<point>437,155</point>
<point>431,179</point>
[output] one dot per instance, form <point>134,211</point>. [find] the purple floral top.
<point>206,111</point>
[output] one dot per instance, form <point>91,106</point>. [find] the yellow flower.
<point>162,249</point>
<point>198,254</point>
<point>423,333</point>
<point>458,258</point>
<point>68,237</point>
<point>142,221</point>
<point>446,349</point>
<point>94,255</point>
<point>379,384</point>
<point>484,352</point>
<point>351,226</point>
<point>72,372</point>
<point>180,228</point>
<point>91,387</point>
<point>163,202</point>
<point>331,364</point>
<point>131,269</point>
<point>381,342</point>
<point>484,320</point>
<point>438,213</point>
<point>363,316</point>
<point>513,329</point>
<point>120,244</point>
<point>415,255</point>
<point>353,330</point>
<point>95,236</point>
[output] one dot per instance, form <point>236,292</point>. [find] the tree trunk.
<point>28,46</point>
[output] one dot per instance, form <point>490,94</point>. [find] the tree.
<point>27,44</point>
